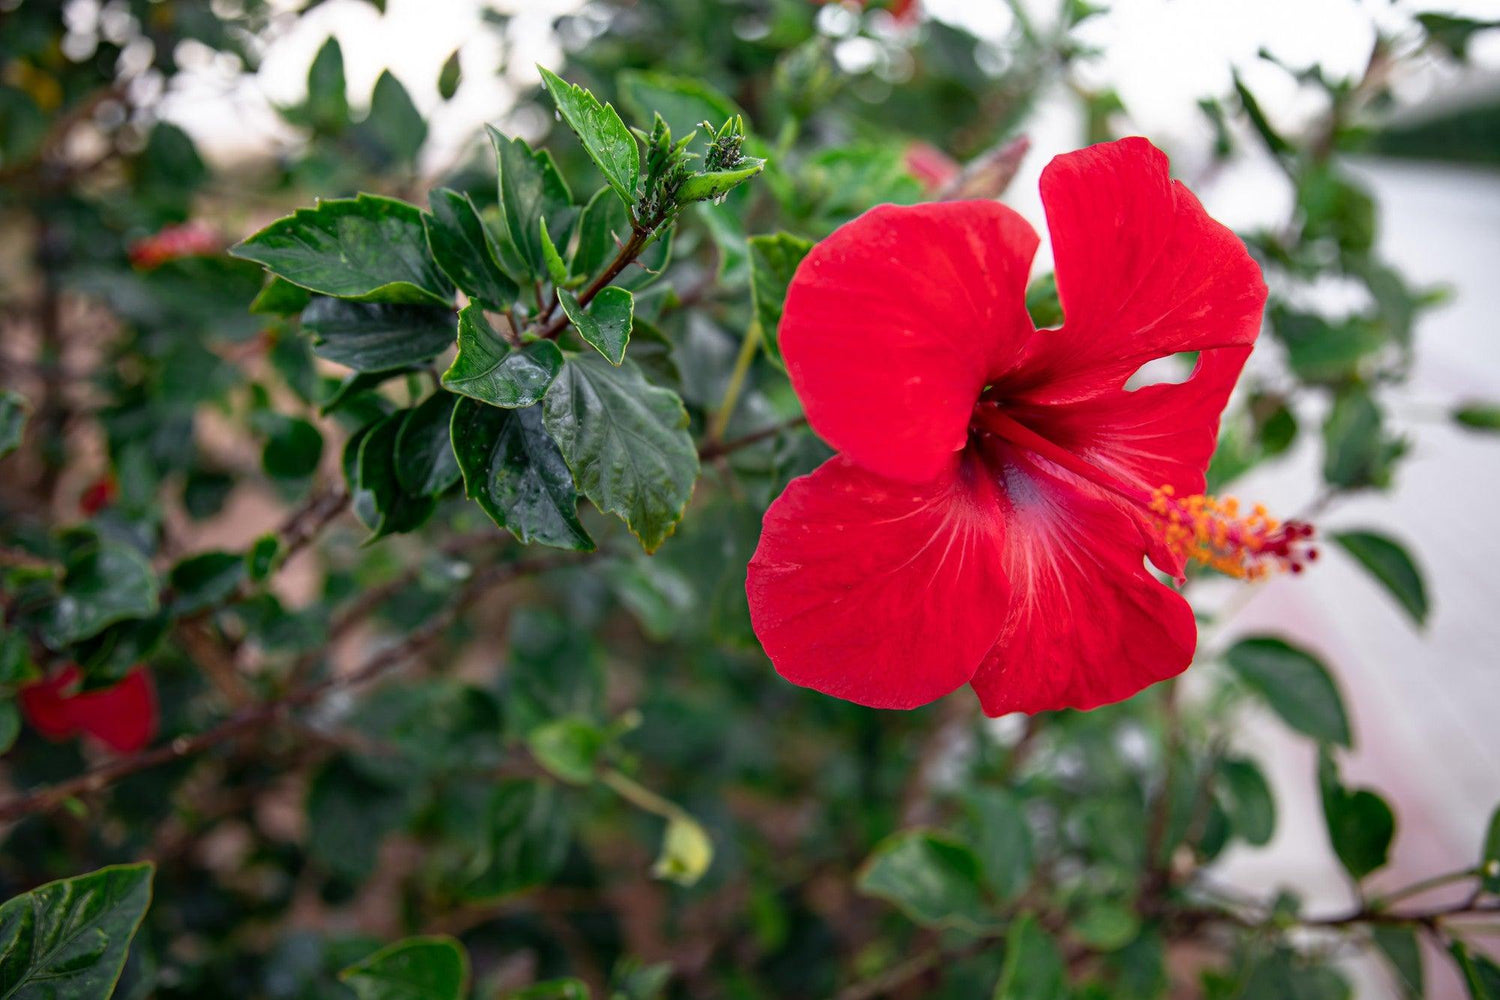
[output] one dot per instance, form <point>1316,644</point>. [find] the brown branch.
<point>268,713</point>
<point>718,449</point>
<point>639,235</point>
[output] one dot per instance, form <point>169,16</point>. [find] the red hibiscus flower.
<point>122,717</point>
<point>191,239</point>
<point>998,487</point>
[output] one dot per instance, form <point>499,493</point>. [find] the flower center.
<point>1199,527</point>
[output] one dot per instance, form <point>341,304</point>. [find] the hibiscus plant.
<point>558,572</point>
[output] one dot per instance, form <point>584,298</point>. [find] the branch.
<point>718,449</point>
<point>267,713</point>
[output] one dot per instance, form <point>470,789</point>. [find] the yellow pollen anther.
<point>1212,532</point>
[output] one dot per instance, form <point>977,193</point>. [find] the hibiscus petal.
<point>876,591</point>
<point>1089,625</point>
<point>1142,272</point>
<point>122,717</point>
<point>895,323</point>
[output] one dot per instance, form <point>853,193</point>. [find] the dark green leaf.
<point>204,580</point>
<point>1273,140</point>
<point>627,443</point>
<point>261,558</point>
<point>934,881</point>
<point>1324,350</point>
<point>67,940</point>
<point>105,582</point>
<point>424,457</point>
<point>424,968</point>
<point>1481,976</point>
<point>394,120</point>
<point>1033,965</point>
<point>773,261</point>
<point>1389,563</point>
<point>367,248</point>
<point>1000,838</point>
<point>348,814</point>
<point>568,748</point>
<point>10,725</point>
<point>530,189</point>
<point>351,386</point>
<point>13,413</point>
<point>512,468</point>
<point>489,369</point>
<point>1295,684</point>
<point>557,270</point>
<point>1399,946</point>
<point>457,238</point>
<point>1360,824</point>
<point>1478,417</point>
<point>376,492</point>
<point>293,449</point>
<point>713,185</point>
<point>527,834</point>
<point>605,138</point>
<point>552,989</point>
<point>1283,975</point>
<point>1248,800</point>
<point>1452,32</point>
<point>377,338</point>
<point>450,76</point>
<point>605,323</point>
<point>1357,452</point>
<point>327,106</point>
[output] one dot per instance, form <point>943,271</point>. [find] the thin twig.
<point>717,449</point>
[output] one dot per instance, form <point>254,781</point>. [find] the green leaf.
<point>1399,946</point>
<point>425,463</point>
<point>348,814</point>
<point>293,449</point>
<point>204,580</point>
<point>713,185</point>
<point>1323,350</point>
<point>1000,838</point>
<point>603,230</point>
<point>261,557</point>
<point>374,487</point>
<point>512,468</point>
<point>527,835</point>
<point>458,241</point>
<point>1489,862</point>
<point>627,443</point>
<point>13,413</point>
<point>1247,800</point>
<point>490,370</point>
<point>1357,452</point>
<point>1483,417</point>
<point>1453,33</point>
<point>1033,967</point>
<point>450,76</point>
<point>423,968</point>
<point>552,989</point>
<point>377,338</point>
<point>1481,976</point>
<point>773,261</point>
<point>1273,140</point>
<point>568,748</point>
<point>683,102</point>
<point>1389,563</point>
<point>367,249</point>
<point>686,851</point>
<point>394,121</point>
<point>104,582</point>
<point>557,270</point>
<point>352,386</point>
<point>604,136</point>
<point>10,725</point>
<point>68,939</point>
<point>1360,824</point>
<point>605,323</point>
<point>933,880</point>
<point>1295,684</point>
<point>327,107</point>
<point>1107,925</point>
<point>530,189</point>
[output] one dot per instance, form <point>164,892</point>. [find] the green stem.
<point>736,385</point>
<point>642,797</point>
<point>1426,885</point>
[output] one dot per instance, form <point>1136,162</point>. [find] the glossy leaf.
<point>491,370</point>
<point>424,968</point>
<point>713,185</point>
<point>68,939</point>
<point>557,269</point>
<point>1390,564</point>
<point>604,136</point>
<point>375,486</point>
<point>1360,824</point>
<point>933,880</point>
<point>605,322</point>
<point>627,443</point>
<point>530,189</point>
<point>1294,684</point>
<point>513,469</point>
<point>367,248</point>
<point>377,338</point>
<point>425,463</point>
<point>456,236</point>
<point>773,261</point>
<point>104,582</point>
<point>204,580</point>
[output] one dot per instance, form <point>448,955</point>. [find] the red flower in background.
<point>933,168</point>
<point>998,487</point>
<point>122,717</point>
<point>191,239</point>
<point>904,11</point>
<point>98,495</point>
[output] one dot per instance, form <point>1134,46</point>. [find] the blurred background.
<point>1401,99</point>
